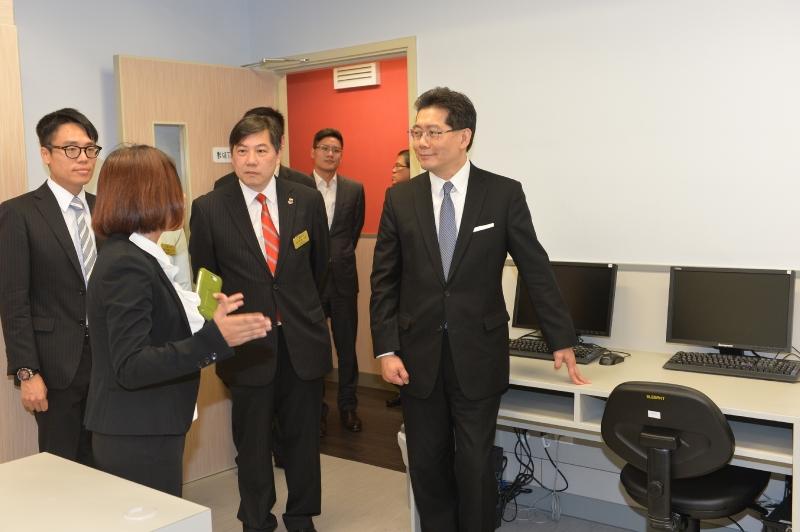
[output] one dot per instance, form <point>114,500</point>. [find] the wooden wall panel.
<point>208,100</point>
<point>17,427</point>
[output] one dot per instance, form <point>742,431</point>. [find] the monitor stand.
<point>730,351</point>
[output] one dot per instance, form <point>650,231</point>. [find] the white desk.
<point>44,492</point>
<point>766,423</point>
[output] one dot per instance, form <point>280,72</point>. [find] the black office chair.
<point>677,444</point>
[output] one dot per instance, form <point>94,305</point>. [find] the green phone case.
<point>208,284</point>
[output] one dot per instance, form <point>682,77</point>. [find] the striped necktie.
<point>447,228</point>
<point>88,251</point>
<point>272,241</point>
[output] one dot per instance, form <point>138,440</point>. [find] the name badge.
<point>300,240</point>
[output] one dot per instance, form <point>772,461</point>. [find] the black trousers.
<point>61,428</point>
<point>297,404</point>
<point>343,313</point>
<point>450,440</point>
<point>153,461</point>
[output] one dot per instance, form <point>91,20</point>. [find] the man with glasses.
<point>439,320</point>
<point>344,205</point>
<point>48,251</point>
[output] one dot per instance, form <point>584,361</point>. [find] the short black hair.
<point>252,124</point>
<point>461,113</point>
<point>50,123</point>
<point>269,112</point>
<point>406,156</point>
<point>327,132</point>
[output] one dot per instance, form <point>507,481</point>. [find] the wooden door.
<point>205,101</point>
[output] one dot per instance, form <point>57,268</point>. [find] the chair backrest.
<point>705,440</point>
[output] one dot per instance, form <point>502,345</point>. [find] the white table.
<point>44,493</point>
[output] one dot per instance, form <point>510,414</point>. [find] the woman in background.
<point>148,339</point>
<point>401,171</point>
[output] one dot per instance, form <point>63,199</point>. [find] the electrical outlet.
<point>546,440</point>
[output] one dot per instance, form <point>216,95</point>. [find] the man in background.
<point>48,251</point>
<point>344,206</point>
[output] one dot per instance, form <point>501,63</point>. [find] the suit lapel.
<point>423,204</point>
<point>51,212</point>
<point>340,184</point>
<point>234,201</point>
<point>168,284</point>
<point>286,212</point>
<point>476,192</point>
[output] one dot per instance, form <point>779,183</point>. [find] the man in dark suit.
<point>284,172</point>
<point>344,205</point>
<point>439,320</point>
<point>48,251</point>
<point>268,239</point>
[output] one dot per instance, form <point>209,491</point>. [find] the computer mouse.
<point>609,359</point>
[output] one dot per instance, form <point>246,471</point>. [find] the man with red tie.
<point>268,239</point>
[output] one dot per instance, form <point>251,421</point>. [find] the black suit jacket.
<point>345,230</point>
<point>284,172</point>
<point>145,361</point>
<point>412,301</point>
<point>224,242</point>
<point>42,290</point>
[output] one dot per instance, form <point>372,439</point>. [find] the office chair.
<point>677,444</point>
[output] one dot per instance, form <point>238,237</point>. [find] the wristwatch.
<point>26,374</point>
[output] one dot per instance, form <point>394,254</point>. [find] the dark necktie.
<point>447,228</point>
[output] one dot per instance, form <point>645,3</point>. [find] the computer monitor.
<point>731,309</point>
<point>588,290</point>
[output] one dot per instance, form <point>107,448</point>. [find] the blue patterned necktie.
<point>88,252</point>
<point>447,228</point>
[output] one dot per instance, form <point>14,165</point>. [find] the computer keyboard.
<point>736,366</point>
<point>537,348</point>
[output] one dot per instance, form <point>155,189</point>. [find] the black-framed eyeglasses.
<point>324,148</point>
<point>73,152</point>
<point>417,133</point>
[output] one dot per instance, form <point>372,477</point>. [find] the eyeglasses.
<point>73,152</point>
<point>433,135</point>
<point>324,148</point>
<point>398,165</point>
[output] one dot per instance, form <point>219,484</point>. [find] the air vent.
<point>364,75</point>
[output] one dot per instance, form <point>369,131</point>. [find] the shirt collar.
<point>64,196</point>
<point>271,192</point>
<point>321,182</point>
<point>460,180</point>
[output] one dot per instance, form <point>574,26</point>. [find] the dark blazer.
<point>145,361</point>
<point>223,241</point>
<point>284,172</point>
<point>345,230</point>
<point>412,301</point>
<point>42,290</point>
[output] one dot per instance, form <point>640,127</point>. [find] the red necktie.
<point>272,241</point>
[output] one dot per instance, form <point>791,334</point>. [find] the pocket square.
<point>483,227</point>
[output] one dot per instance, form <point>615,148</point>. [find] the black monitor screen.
<point>588,290</point>
<point>728,308</point>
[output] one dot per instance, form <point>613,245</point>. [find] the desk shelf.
<point>543,406</point>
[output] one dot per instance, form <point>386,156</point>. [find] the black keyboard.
<point>736,366</point>
<point>537,348</point>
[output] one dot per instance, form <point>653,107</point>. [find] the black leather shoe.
<point>351,421</point>
<point>312,529</point>
<point>394,401</point>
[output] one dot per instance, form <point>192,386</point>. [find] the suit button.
<point>213,357</point>
<point>82,292</point>
<point>446,293</point>
<point>82,323</point>
<point>275,287</point>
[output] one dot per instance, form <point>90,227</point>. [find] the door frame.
<point>400,47</point>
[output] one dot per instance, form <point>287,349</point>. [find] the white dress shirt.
<point>328,191</point>
<point>64,197</point>
<point>458,194</point>
<point>254,210</point>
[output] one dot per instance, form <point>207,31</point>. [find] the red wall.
<point>373,122</point>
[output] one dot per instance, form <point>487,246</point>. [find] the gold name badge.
<point>169,249</point>
<point>300,240</point>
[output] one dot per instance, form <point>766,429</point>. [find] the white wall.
<point>66,53</point>
<point>644,131</point>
